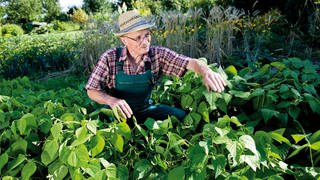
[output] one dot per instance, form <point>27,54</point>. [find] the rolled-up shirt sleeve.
<point>99,75</point>
<point>172,63</point>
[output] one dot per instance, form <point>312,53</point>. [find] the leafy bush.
<point>38,54</point>
<point>56,133</point>
<point>65,26</point>
<point>80,16</point>
<point>12,30</point>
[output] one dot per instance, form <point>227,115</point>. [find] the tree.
<point>51,9</point>
<point>22,11</point>
<point>80,16</point>
<point>95,6</point>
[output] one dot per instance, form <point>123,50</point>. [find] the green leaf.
<point>118,142</point>
<point>3,160</point>
<point>227,97</point>
<point>124,129</point>
<point>82,136</point>
<point>203,110</point>
<point>93,168</point>
<point>294,111</point>
<point>221,132</point>
<point>231,70</point>
<point>248,142</point>
<point>295,152</point>
<point>219,162</point>
<point>77,174</point>
<point>211,98</point>
<point>279,138</point>
<point>280,131</point>
<point>251,160</point>
<point>56,130</point>
<point>257,92</point>
<point>142,169</point>
<point>278,65</point>
<point>314,103</point>
<point>235,120</point>
<point>232,148</point>
<point>221,104</point>
<point>72,159</point>
<point>267,114</point>
<point>92,126</point>
<point>240,94</point>
<point>98,146</point>
<point>198,157</point>
<point>315,146</point>
<point>50,151</point>
<point>111,171</point>
<point>122,172</point>
<point>283,88</point>
<point>60,172</point>
<point>315,137</point>
<point>67,117</point>
<point>151,124</point>
<point>28,170</point>
<point>264,69</point>
<point>26,123</point>
<point>20,146</point>
<point>297,137</point>
<point>186,101</point>
<point>141,130</point>
<point>16,162</point>
<point>176,173</point>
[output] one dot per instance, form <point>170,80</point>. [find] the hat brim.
<point>145,26</point>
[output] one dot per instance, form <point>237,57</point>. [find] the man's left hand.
<point>213,81</point>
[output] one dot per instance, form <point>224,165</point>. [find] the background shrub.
<point>12,30</point>
<point>38,54</point>
<point>65,26</point>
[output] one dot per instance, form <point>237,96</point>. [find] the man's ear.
<point>123,40</point>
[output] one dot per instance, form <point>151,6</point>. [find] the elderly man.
<point>124,77</point>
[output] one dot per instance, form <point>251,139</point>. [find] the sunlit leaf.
<point>28,170</point>
<point>297,137</point>
<point>176,173</point>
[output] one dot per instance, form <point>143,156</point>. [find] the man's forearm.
<point>99,96</point>
<point>198,67</point>
<point>212,80</point>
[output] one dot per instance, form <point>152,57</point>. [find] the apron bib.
<point>135,89</point>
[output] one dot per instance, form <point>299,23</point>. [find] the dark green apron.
<point>135,89</point>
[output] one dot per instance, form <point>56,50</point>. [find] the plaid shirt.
<point>163,61</point>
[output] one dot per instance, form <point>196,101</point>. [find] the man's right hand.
<point>122,106</point>
<point>103,98</point>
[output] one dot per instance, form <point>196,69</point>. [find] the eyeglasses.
<point>139,39</point>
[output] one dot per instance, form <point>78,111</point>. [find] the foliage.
<point>38,54</point>
<point>79,16</point>
<point>51,9</point>
<point>65,26</point>
<point>11,30</point>
<point>98,36</point>
<point>22,11</point>
<point>56,133</point>
<point>96,6</point>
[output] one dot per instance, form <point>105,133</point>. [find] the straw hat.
<point>132,21</point>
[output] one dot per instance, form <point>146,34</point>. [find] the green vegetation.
<point>11,30</point>
<point>38,55</point>
<point>52,129</point>
<point>263,126</point>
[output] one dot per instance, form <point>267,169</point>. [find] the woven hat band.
<point>132,21</point>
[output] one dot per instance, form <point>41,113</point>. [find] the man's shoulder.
<point>157,48</point>
<point>109,52</point>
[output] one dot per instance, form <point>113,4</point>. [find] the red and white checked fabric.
<point>163,62</point>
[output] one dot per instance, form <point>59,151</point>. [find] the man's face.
<point>138,42</point>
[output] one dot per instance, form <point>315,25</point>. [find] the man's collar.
<point>124,55</point>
